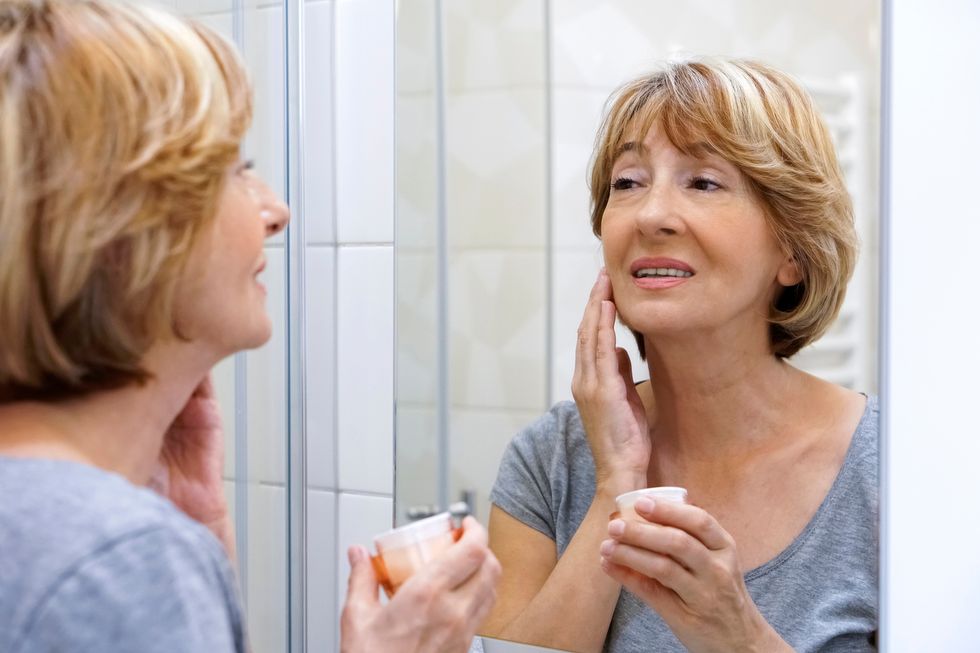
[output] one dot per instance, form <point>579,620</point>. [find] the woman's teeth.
<point>662,272</point>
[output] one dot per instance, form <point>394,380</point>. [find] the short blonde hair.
<point>763,122</point>
<point>117,126</point>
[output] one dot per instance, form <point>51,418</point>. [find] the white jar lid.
<point>419,531</point>
<point>665,493</point>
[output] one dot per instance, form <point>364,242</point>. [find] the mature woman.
<point>131,241</point>
<point>728,240</point>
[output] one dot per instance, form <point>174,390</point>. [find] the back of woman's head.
<point>117,124</point>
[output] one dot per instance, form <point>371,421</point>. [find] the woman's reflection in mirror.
<point>728,238</point>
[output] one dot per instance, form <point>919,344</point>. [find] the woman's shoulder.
<point>63,496</point>
<point>557,433</point>
<point>72,531</point>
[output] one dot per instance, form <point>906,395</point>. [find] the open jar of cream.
<point>403,551</point>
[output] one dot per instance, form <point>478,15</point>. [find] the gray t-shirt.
<point>820,593</point>
<point>90,562</point>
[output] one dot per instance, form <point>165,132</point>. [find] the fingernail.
<point>354,555</point>
<point>644,505</point>
<point>607,547</point>
<point>617,527</point>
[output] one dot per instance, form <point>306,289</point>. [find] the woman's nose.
<point>659,213</point>
<point>273,211</point>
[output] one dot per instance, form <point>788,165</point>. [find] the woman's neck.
<point>119,430</point>
<point>712,404</point>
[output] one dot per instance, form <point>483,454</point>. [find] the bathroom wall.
<point>348,160</point>
<point>597,45</point>
<point>472,228</point>
<point>523,87</point>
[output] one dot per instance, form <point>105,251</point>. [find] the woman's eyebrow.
<point>630,146</point>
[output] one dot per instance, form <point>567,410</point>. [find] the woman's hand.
<point>191,462</point>
<point>684,565</point>
<point>612,412</point>
<point>436,611</point>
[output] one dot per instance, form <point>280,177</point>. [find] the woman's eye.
<point>246,166</point>
<point>624,183</point>
<point>705,184</point>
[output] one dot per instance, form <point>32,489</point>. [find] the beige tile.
<point>497,325</point>
<point>417,319</point>
<point>416,466</point>
<point>577,116</point>
<point>477,441</point>
<point>496,178</point>
<point>495,44</point>
<point>415,61</point>
<point>417,166</point>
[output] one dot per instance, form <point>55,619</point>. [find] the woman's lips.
<point>660,273</point>
<point>658,283</point>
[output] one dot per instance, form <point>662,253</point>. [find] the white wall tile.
<point>267,568</point>
<point>318,137</point>
<point>365,121</point>
<point>360,519</point>
<point>266,385</point>
<point>220,22</point>
<point>321,571</point>
<point>201,8</point>
<point>321,367</point>
<point>266,141</point>
<point>365,375</point>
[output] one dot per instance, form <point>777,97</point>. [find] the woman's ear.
<point>789,273</point>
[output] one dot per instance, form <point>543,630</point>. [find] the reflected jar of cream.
<point>625,502</point>
<point>403,551</point>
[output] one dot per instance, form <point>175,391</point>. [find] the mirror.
<point>252,385</point>
<point>497,109</point>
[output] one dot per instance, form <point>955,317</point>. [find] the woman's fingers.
<point>205,389</point>
<point>607,362</point>
<point>588,346</point>
<point>688,518</point>
<point>479,592</point>
<point>664,569</point>
<point>585,350</point>
<point>648,589</point>
<point>687,550</point>
<point>461,561</point>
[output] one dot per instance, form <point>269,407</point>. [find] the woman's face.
<point>222,300</point>
<point>686,244</point>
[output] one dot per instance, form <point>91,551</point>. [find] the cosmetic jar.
<point>404,550</point>
<point>625,502</point>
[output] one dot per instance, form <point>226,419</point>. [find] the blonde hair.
<point>763,122</point>
<point>117,126</point>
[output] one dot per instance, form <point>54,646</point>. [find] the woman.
<point>131,241</point>
<point>728,240</point>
